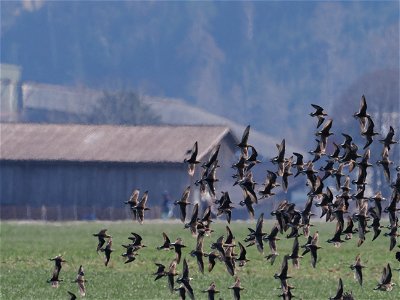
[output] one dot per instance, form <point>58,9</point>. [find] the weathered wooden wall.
<point>57,190</point>
<point>73,190</point>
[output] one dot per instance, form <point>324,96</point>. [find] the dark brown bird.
<point>80,280</point>
<point>229,261</point>
<point>313,247</point>
<point>211,260</point>
<point>257,235</point>
<point>133,201</point>
<point>178,245</point>
<point>73,296</point>
<point>378,198</point>
<point>170,275</point>
<point>324,133</point>
<point>160,271</point>
<point>107,251</point>
<point>368,132</point>
<point>225,207</point>
<point>386,283</point>
<point>243,145</point>
<point>336,240</point>
<point>58,261</point>
<point>286,173</point>
<point>236,288</point>
<point>55,280</point>
<point>141,207</point>
<point>349,231</point>
<point>338,174</point>
<point>318,152</point>
<point>167,243</point>
<point>192,224</point>
<point>385,163</point>
<point>211,291</point>
<point>130,254</point>
<point>218,245</point>
<point>212,159</point>
<point>199,253</point>
<point>375,225</point>
<point>388,140</point>
<point>183,202</point>
<point>393,234</point>
<point>357,268</point>
<point>185,279</point>
<point>335,154</point>
<point>101,236</point>
<point>283,276</point>
<point>319,113</point>
<point>361,218</point>
<point>242,256</point>
<point>294,256</point>
<point>182,292</point>
<point>328,169</point>
<point>362,113</point>
<point>298,164</point>
<point>280,158</point>
<point>339,291</point>
<point>269,184</point>
<point>192,160</point>
<point>272,238</point>
<point>208,180</point>
<point>248,202</point>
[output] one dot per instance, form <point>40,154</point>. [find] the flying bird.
<point>192,160</point>
<point>141,207</point>
<point>388,140</point>
<point>178,245</point>
<point>133,201</point>
<point>167,243</point>
<point>101,236</point>
<point>107,251</point>
<point>80,280</point>
<point>357,268</point>
<point>385,283</point>
<point>160,271</point>
<point>183,202</point>
<point>362,113</point>
<point>185,279</point>
<point>236,288</point>
<point>319,113</point>
<point>211,291</point>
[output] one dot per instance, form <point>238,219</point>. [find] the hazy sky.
<point>255,62</point>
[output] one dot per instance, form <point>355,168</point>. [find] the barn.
<point>78,172</point>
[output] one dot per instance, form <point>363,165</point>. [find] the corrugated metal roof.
<point>106,142</point>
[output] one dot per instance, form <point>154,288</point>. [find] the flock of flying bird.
<point>289,219</point>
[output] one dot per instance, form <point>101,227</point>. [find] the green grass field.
<point>26,248</point>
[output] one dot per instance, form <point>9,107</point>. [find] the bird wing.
<point>81,286</point>
<point>143,200</point>
<point>185,270</point>
<point>260,223</point>
<point>245,135</point>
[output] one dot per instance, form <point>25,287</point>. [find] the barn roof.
<point>107,143</point>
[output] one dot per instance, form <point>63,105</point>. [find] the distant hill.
<point>259,63</point>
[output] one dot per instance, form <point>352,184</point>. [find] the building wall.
<point>83,190</point>
<point>56,190</point>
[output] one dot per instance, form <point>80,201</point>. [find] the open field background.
<point>26,248</point>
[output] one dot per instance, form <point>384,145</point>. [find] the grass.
<point>26,248</point>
